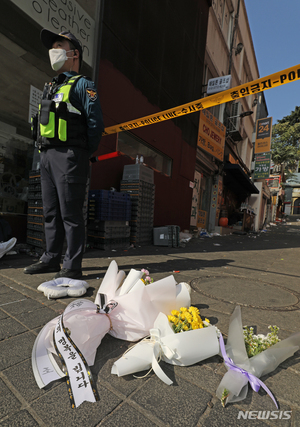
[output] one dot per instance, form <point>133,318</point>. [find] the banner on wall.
<point>195,198</point>
<point>61,16</point>
<point>211,135</point>
<point>263,135</point>
<point>262,166</point>
<point>201,219</point>
<point>218,84</point>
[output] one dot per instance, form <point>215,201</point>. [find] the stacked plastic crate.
<point>35,218</point>
<point>138,182</point>
<point>109,213</point>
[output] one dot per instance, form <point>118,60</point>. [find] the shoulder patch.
<point>92,94</point>
<point>58,97</point>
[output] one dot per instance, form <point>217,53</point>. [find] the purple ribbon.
<point>255,382</point>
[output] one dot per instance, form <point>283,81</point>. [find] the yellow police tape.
<point>273,80</point>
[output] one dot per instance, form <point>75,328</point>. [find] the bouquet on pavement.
<point>125,307</point>
<point>181,338</point>
<point>249,357</point>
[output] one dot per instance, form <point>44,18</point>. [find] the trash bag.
<point>204,233</point>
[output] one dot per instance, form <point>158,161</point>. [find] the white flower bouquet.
<point>180,339</point>
<point>268,352</point>
<point>125,307</point>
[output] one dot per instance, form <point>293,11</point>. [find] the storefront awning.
<point>238,181</point>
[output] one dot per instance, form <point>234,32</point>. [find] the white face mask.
<point>58,57</point>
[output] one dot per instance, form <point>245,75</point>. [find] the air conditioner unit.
<point>236,110</point>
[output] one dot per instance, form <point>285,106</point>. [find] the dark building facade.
<point>152,57</point>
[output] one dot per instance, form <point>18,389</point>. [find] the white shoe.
<point>7,246</point>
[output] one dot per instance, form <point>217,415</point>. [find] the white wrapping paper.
<point>259,365</point>
<point>182,349</point>
<point>131,320</point>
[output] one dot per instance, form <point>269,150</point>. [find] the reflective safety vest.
<point>59,122</point>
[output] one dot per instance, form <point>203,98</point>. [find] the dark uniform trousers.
<point>64,174</point>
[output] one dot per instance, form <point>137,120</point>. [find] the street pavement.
<point>259,272</point>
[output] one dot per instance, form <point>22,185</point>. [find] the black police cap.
<point>48,38</point>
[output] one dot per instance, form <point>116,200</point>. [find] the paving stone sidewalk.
<point>259,272</point>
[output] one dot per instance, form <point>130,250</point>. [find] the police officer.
<point>69,129</point>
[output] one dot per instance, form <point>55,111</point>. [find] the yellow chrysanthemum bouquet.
<point>167,344</point>
<point>187,319</point>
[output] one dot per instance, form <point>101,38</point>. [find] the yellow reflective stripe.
<point>62,130</point>
<point>65,90</point>
<point>48,130</point>
<point>280,78</point>
<point>72,80</point>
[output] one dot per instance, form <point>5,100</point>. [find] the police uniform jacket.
<point>70,114</point>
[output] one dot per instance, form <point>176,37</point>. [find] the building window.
<point>133,146</point>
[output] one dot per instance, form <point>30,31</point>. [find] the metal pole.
<point>231,49</point>
<point>236,18</point>
<point>98,39</point>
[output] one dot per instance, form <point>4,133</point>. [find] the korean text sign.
<point>211,135</point>
<point>263,135</point>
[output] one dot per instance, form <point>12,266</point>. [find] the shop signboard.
<point>211,135</point>
<point>62,16</point>
<point>215,204</point>
<point>274,181</point>
<point>219,200</point>
<point>218,84</point>
<point>201,219</point>
<point>263,135</point>
<point>195,198</point>
<point>262,166</point>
